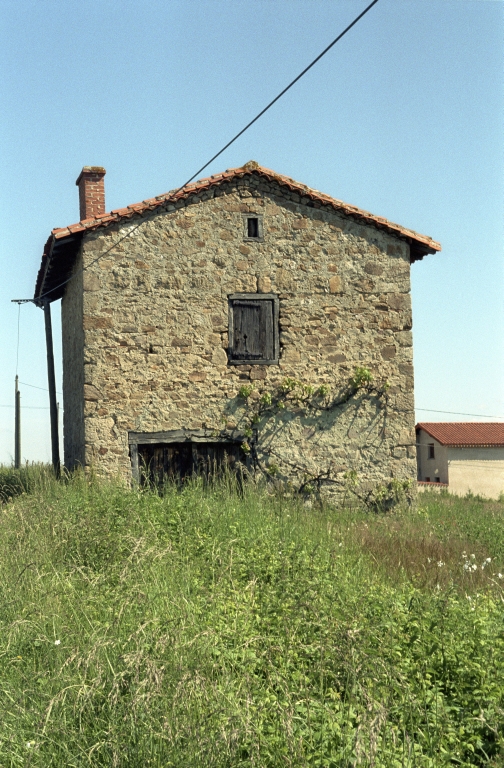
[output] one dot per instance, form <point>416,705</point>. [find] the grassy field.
<point>208,628</point>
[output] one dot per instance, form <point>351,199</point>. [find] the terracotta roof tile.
<point>465,433</point>
<point>61,232</point>
<point>79,227</point>
<point>422,243</point>
<point>270,175</point>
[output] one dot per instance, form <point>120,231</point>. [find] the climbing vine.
<point>256,411</point>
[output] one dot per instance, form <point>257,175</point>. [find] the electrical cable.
<point>31,407</point>
<point>240,133</point>
<point>44,389</point>
<point>457,413</point>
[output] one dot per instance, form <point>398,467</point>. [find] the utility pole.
<point>53,406</point>
<point>17,427</point>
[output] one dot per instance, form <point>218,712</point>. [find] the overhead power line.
<point>31,407</point>
<point>457,413</point>
<point>428,410</point>
<point>226,146</point>
<point>33,386</point>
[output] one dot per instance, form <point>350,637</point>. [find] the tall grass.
<point>14,482</point>
<point>207,627</point>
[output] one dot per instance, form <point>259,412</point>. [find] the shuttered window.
<point>253,329</point>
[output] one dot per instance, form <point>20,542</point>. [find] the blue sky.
<point>404,117</point>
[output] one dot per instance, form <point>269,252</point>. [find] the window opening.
<point>431,451</point>
<point>253,329</point>
<point>252,227</point>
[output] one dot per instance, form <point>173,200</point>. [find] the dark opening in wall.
<point>177,455</point>
<point>179,461</point>
<point>252,227</point>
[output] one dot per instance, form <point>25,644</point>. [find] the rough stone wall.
<point>73,370</point>
<point>156,326</point>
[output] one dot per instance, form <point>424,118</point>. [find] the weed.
<point>215,625</point>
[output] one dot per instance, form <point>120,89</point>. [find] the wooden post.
<point>17,428</point>
<point>53,406</point>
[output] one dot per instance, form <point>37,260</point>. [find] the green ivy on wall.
<point>259,419</point>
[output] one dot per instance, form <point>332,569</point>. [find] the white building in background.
<point>462,456</point>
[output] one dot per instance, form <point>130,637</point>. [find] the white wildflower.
<point>472,557</point>
<point>474,567</point>
<point>500,576</point>
<point>440,564</point>
<point>57,642</point>
<point>488,560</point>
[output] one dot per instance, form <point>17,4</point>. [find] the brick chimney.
<point>91,191</point>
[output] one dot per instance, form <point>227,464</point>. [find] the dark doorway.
<point>179,461</point>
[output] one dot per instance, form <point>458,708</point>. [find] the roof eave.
<point>418,250</point>
<point>58,258</point>
<point>62,240</point>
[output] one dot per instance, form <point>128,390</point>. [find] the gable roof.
<point>466,434</point>
<point>63,242</point>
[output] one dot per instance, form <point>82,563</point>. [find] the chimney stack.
<point>91,191</point>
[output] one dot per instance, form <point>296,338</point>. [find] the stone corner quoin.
<point>146,328</point>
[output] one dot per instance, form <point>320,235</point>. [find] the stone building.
<point>171,305</point>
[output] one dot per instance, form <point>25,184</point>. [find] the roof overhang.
<point>56,267</point>
<point>63,244</point>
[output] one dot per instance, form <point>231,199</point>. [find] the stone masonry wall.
<point>73,369</point>
<point>155,320</point>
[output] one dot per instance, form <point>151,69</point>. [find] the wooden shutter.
<point>253,337</point>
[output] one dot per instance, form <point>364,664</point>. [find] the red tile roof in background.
<point>151,204</point>
<point>465,433</point>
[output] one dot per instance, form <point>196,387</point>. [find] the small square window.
<point>430,453</point>
<point>253,227</point>
<point>253,329</point>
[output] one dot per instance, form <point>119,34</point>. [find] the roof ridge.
<point>182,192</point>
<point>420,245</point>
